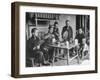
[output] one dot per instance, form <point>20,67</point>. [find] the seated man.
<point>80,36</point>
<point>33,48</point>
<point>48,38</point>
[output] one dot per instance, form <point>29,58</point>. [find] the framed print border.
<point>15,39</point>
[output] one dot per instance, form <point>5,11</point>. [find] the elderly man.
<point>33,48</point>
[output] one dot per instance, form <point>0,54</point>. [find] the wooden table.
<point>56,49</point>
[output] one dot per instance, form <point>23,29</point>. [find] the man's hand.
<point>34,48</point>
<point>37,47</point>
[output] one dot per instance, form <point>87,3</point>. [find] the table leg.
<point>78,59</point>
<point>67,51</point>
<point>53,57</point>
<point>57,54</point>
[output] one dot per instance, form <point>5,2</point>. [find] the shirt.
<point>80,37</point>
<point>69,31</point>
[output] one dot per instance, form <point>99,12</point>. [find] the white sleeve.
<point>85,48</point>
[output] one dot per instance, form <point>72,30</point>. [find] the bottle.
<point>67,43</point>
<point>76,42</point>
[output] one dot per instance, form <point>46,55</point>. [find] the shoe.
<point>50,61</point>
<point>46,63</point>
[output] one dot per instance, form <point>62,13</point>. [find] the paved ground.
<point>73,62</point>
<point>60,62</point>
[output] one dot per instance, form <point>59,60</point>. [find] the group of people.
<point>40,49</point>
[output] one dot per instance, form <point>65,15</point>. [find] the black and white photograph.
<point>57,39</point>
<point>51,39</point>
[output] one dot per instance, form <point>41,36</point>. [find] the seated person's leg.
<point>51,51</point>
<point>72,52</point>
<point>80,51</point>
<point>40,57</point>
<point>85,53</point>
<point>45,52</point>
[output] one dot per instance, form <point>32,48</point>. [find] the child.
<point>85,48</point>
<point>80,36</point>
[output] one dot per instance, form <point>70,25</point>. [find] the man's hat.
<point>55,22</point>
<point>33,30</point>
<point>67,20</point>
